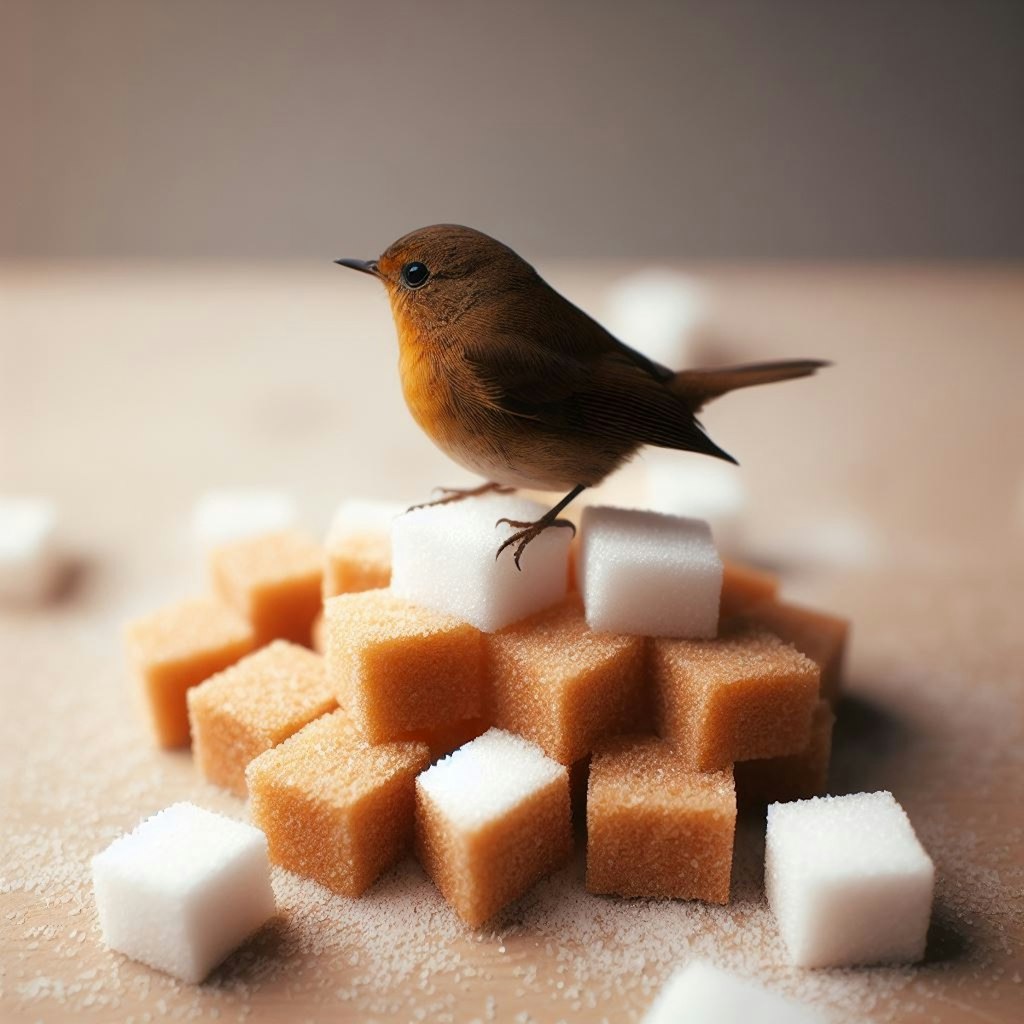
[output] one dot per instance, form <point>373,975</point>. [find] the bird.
<point>518,385</point>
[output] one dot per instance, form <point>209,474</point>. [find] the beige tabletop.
<point>890,489</point>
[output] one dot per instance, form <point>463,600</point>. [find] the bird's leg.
<point>451,494</point>
<point>530,531</point>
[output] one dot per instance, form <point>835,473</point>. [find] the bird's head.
<point>438,275</point>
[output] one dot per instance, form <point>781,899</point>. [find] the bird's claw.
<point>526,533</point>
<point>449,495</point>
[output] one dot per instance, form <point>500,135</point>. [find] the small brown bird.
<point>515,383</point>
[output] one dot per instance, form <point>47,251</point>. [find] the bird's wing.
<point>597,392</point>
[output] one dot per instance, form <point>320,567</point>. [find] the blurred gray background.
<point>734,130</point>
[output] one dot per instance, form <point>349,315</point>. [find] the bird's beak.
<point>366,266</point>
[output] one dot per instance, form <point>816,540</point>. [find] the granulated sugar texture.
<point>79,772</point>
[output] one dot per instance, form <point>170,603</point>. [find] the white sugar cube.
<point>183,890</point>
<point>683,484</point>
<point>443,557</point>
<point>28,558</point>
<point>702,994</point>
<point>488,777</point>
<point>223,516</point>
<point>649,574</point>
<point>848,881</point>
<point>658,312</point>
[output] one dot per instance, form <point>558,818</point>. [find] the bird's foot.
<point>529,531</point>
<point>453,494</point>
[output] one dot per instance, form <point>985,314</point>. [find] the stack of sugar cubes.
<point>402,688</point>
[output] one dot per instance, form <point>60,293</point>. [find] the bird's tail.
<point>698,387</point>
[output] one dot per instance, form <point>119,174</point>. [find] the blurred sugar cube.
<point>658,312</point>
<point>220,517</point>
<point>444,557</point>
<point>28,553</point>
<point>683,484</point>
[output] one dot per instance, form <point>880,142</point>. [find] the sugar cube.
<point>359,546</point>
<point>822,637</point>
<point>848,881</point>
<point>183,890</point>
<point>399,667</point>
<point>703,994</point>
<point>741,696</point>
<point>178,647</point>
<point>274,580</point>
<point>492,818</point>
<point>443,557</point>
<point>658,312</point>
<point>649,574</point>
<point>684,484</point>
<point>794,777</point>
<point>555,681</point>
<point>656,827</point>
<point>223,516</point>
<point>744,586</point>
<point>28,557</point>
<point>334,808</point>
<point>254,705</point>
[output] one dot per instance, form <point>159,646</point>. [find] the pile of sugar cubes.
<point>401,688</point>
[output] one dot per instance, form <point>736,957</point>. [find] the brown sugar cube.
<point>274,580</point>
<point>555,681</point>
<point>796,777</point>
<point>177,648</point>
<point>443,739</point>
<point>398,667</point>
<point>656,827</point>
<point>743,586</point>
<point>820,636</point>
<point>253,706</point>
<point>742,696</point>
<point>334,808</point>
<point>491,820</point>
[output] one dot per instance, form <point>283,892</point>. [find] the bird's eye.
<point>415,275</point>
